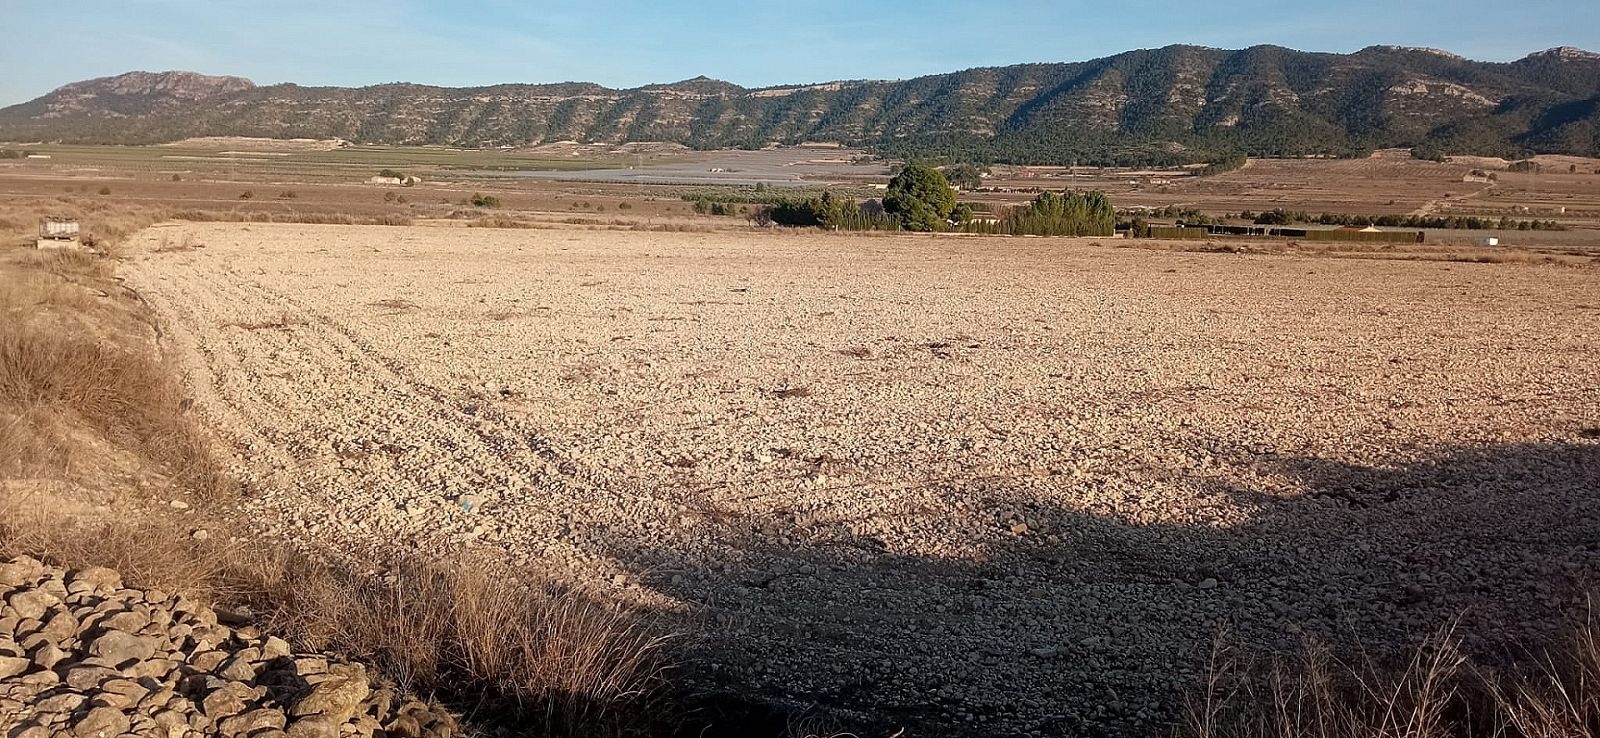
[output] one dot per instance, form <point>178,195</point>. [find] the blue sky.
<point>751,42</point>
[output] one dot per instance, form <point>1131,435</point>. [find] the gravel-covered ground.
<point>970,486</point>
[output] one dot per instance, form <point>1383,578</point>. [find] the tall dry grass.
<point>65,388</point>
<point>60,393</point>
<point>559,662</point>
<point>106,224</point>
<point>1436,692</point>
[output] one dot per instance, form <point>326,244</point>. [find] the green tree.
<point>921,198</point>
<point>834,211</point>
<point>966,176</point>
<point>962,215</point>
<point>1064,214</point>
<point>1427,152</point>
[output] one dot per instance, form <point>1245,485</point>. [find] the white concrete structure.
<point>58,233</point>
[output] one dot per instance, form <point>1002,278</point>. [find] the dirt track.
<point>970,486</point>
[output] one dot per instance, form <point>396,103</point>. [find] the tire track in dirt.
<point>333,437</point>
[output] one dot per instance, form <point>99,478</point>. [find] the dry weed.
<point>441,625</point>
<point>1438,692</point>
<point>54,386</point>
<point>156,551</point>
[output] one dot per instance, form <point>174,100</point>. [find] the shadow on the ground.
<point>1088,624</point>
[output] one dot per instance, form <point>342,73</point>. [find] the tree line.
<point>920,199</point>
<point>1281,217</point>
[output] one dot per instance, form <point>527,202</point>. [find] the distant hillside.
<point>1174,104</point>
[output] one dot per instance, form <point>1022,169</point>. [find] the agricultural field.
<point>642,185</point>
<point>1565,188</point>
<point>961,485</point>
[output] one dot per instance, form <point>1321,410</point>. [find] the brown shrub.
<point>156,551</point>
<point>571,662</point>
<point>55,386</point>
<point>1436,692</point>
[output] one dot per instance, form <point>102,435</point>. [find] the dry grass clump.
<point>501,221</point>
<point>614,224</point>
<point>570,665</point>
<point>672,228</point>
<point>1438,692</point>
<point>106,224</point>
<point>1386,251</point>
<point>64,388</point>
<point>63,262</point>
<point>152,550</point>
<point>25,292</point>
<point>55,388</point>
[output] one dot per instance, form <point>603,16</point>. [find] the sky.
<point>627,43</point>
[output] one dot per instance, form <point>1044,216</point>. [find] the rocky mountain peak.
<point>175,84</point>
<point>1565,53</point>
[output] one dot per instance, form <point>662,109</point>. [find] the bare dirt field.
<point>966,486</point>
<point>1390,182</point>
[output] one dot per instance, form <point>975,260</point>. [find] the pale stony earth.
<point>965,486</point>
<point>83,656</point>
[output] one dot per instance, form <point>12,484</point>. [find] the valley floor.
<point>1004,486</point>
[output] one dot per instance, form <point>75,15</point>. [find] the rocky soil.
<point>967,486</point>
<point>82,655</point>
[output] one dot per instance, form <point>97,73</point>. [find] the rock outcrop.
<point>82,655</point>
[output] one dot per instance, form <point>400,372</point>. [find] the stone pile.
<point>83,655</point>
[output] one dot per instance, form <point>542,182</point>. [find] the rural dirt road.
<point>967,486</point>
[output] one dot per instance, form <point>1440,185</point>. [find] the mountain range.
<point>1173,104</point>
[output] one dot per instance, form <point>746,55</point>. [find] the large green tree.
<point>966,176</point>
<point>921,198</point>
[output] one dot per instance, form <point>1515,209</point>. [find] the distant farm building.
<point>58,233</point>
<point>407,181</point>
<point>1489,241</point>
